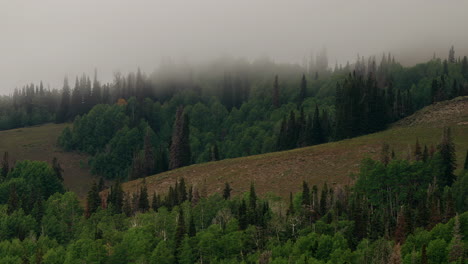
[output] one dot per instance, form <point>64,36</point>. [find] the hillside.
<point>282,172</point>
<point>39,143</point>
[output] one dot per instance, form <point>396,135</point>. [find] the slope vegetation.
<point>39,143</point>
<point>282,172</point>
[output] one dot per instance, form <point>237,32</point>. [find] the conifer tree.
<point>127,207</point>
<point>243,222</point>
<point>214,152</point>
<point>5,165</point>
<point>143,203</point>
<point>451,57</point>
<point>116,197</point>
<point>63,113</point>
<point>93,200</point>
<point>180,229</point>
<point>418,155</point>
<point>303,89</point>
<point>13,202</point>
<point>252,198</point>
<point>227,191</point>
<point>317,132</point>
<point>384,154</point>
<point>291,131</point>
<point>57,169</point>
<point>276,102</point>
<point>149,157</point>
<point>324,199</point>
<point>447,151</point>
<point>182,191</point>
<point>425,155</point>
<point>191,229</point>
<point>180,154</point>
<point>305,194</point>
<point>156,202</point>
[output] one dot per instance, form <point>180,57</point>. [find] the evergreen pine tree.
<point>63,113</point>
<point>127,207</point>
<point>149,156</point>
<point>180,154</point>
<point>155,202</point>
<point>191,229</point>
<point>143,203</point>
<point>182,191</point>
<point>243,222</point>
<point>303,89</point>
<point>93,200</point>
<point>276,102</point>
<point>418,155</point>
<point>451,57</point>
<point>227,191</point>
<point>317,132</point>
<point>425,155</point>
<point>447,151</point>
<point>324,199</point>
<point>13,202</point>
<point>180,229</point>
<point>5,165</point>
<point>214,152</point>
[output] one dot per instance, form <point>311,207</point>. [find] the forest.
<point>141,125</point>
<point>420,218</point>
<point>246,108</point>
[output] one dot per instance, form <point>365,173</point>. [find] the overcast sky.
<point>48,39</point>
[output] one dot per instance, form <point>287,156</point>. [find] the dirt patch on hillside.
<point>440,114</point>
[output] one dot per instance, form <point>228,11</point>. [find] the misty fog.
<point>47,40</point>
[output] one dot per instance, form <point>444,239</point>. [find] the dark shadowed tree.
<point>180,154</point>
<point>93,200</point>
<point>57,169</point>
<point>214,152</point>
<point>227,191</point>
<point>63,113</point>
<point>276,100</point>
<point>5,165</point>
<point>303,89</point>
<point>143,203</point>
<point>447,151</point>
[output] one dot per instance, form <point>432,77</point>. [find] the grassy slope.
<point>282,172</point>
<point>39,143</point>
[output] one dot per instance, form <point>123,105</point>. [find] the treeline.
<point>419,218</point>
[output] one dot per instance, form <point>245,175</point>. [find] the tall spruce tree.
<point>276,100</point>
<point>227,191</point>
<point>447,152</point>
<point>305,194</point>
<point>317,132</point>
<point>303,89</point>
<point>63,113</point>
<point>143,202</point>
<point>149,156</point>
<point>5,165</point>
<point>180,154</point>
<point>180,229</point>
<point>93,200</point>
